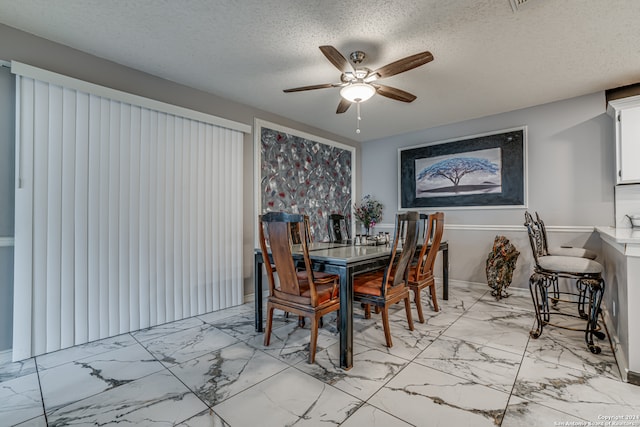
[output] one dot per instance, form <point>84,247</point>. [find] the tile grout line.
<point>44,410</point>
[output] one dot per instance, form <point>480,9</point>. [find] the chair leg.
<point>314,339</point>
<point>367,311</point>
<point>418,302</point>
<point>267,331</point>
<point>407,308</point>
<point>434,298</point>
<point>385,324</point>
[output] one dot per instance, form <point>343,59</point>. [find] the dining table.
<point>347,260</point>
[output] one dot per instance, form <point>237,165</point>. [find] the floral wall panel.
<point>300,175</point>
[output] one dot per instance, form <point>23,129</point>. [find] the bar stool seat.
<point>569,264</point>
<point>574,252</point>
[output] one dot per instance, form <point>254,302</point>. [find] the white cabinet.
<point>626,113</point>
<point>621,260</point>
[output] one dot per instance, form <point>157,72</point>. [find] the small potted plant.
<point>368,212</point>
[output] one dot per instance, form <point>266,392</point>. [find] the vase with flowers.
<point>368,212</point>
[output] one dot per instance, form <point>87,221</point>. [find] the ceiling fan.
<point>361,83</point>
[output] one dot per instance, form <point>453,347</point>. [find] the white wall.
<point>570,181</point>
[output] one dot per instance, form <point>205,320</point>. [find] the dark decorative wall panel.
<point>300,175</point>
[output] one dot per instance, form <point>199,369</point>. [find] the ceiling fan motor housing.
<point>357,56</point>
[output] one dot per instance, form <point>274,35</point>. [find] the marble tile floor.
<point>471,364</point>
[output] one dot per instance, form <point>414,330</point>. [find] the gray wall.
<point>23,47</point>
<point>570,181</point>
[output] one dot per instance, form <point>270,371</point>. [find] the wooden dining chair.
<point>382,289</point>
<point>304,293</point>
<point>337,228</point>
<point>421,273</point>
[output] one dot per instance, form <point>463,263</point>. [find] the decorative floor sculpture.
<point>500,265</point>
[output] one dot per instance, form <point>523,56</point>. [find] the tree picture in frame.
<point>480,171</point>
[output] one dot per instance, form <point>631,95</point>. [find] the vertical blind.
<point>126,217</point>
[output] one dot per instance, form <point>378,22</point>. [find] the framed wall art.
<point>301,173</point>
<point>474,172</point>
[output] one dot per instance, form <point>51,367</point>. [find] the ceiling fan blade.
<point>336,58</point>
<point>312,87</point>
<point>394,93</point>
<point>404,64</point>
<point>343,106</point>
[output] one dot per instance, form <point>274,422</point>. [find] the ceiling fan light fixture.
<point>357,92</point>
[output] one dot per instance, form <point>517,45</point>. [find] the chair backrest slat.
<point>265,256</point>
<point>407,230</point>
<point>296,234</point>
<point>338,228</point>
<point>432,236</point>
<point>279,238</point>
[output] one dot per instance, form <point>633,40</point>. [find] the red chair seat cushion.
<point>368,283</point>
<point>325,292</point>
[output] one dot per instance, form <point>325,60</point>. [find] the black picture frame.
<point>509,146</point>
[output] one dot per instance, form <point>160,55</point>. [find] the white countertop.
<point>620,235</point>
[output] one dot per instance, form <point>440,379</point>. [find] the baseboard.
<point>452,282</point>
<point>621,360</point>
<point>252,296</point>
<point>633,378</point>
<point>6,356</point>
<point>7,241</point>
<point>501,228</point>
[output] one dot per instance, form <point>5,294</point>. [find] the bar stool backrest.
<point>536,237</point>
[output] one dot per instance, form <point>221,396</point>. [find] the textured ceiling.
<point>488,59</point>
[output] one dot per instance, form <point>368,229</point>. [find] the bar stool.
<point>558,250</point>
<point>548,268</point>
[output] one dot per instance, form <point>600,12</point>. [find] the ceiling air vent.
<point>519,4</point>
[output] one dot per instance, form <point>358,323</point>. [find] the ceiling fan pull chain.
<point>358,118</point>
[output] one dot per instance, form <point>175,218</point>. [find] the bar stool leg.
<point>595,288</point>
<point>583,288</point>
<point>556,290</point>
<point>540,295</point>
